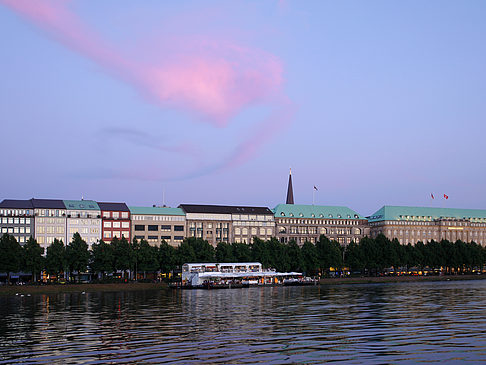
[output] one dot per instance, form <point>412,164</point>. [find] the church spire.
<point>290,191</point>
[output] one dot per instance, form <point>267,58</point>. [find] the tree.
<point>353,256</point>
<point>147,258</point>
<point>241,252</point>
<point>224,252</point>
<point>167,257</point>
<point>56,260</point>
<point>102,257</point>
<point>10,255</point>
<point>278,255</point>
<point>123,255</point>
<point>294,254</point>
<point>195,250</point>
<point>329,254</point>
<point>33,257</point>
<point>134,257</point>
<point>260,252</point>
<point>77,254</point>
<point>309,258</point>
<point>371,254</point>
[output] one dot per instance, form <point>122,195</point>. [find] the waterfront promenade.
<point>135,286</point>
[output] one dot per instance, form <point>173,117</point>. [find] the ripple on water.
<point>403,322</point>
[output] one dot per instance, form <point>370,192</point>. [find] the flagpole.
<point>313,194</point>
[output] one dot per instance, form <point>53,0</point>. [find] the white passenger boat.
<point>231,275</point>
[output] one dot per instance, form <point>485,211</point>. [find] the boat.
<point>300,281</point>
<point>233,275</point>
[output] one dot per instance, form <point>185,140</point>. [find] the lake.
<point>359,323</point>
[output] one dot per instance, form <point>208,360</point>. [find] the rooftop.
<point>47,204</point>
<point>156,210</point>
<point>224,209</point>
<point>81,204</point>
<point>315,211</point>
<point>120,207</point>
<point>16,204</point>
<point>389,212</point>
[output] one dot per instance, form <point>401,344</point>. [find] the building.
<point>83,217</point>
<point>115,221</point>
<point>221,223</point>
<point>308,222</point>
<point>49,221</point>
<point>157,224</point>
<point>301,223</point>
<point>17,219</point>
<point>414,224</point>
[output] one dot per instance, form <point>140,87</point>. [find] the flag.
<point>315,188</point>
<point>432,195</point>
<point>446,196</point>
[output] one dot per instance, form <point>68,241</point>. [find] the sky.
<point>374,103</point>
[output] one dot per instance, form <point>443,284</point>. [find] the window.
<point>107,224</point>
<point>106,214</point>
<point>237,231</point>
<point>139,227</point>
<point>152,237</point>
<point>153,228</point>
<point>167,238</point>
<point>125,224</point>
<point>116,224</point>
<point>107,234</point>
<point>116,215</point>
<point>124,215</point>
<point>165,228</point>
<point>179,228</point>
<point>178,238</point>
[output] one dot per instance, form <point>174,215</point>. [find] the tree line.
<point>368,256</point>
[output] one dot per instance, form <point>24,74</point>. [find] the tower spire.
<point>290,190</point>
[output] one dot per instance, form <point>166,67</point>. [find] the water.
<point>368,323</point>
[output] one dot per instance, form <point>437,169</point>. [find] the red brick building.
<point>115,221</point>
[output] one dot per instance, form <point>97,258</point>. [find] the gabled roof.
<point>390,213</point>
<point>47,203</point>
<point>156,210</point>
<point>121,207</point>
<point>16,204</point>
<point>223,209</point>
<point>81,204</point>
<point>315,211</point>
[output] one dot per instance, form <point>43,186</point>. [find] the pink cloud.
<point>212,78</point>
<point>215,85</point>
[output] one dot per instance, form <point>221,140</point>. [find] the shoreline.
<point>78,288</point>
<point>397,279</point>
<point>134,286</point>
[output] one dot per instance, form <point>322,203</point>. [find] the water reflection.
<point>409,322</point>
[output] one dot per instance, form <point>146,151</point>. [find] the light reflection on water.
<point>374,323</point>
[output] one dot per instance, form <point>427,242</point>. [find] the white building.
<point>83,217</point>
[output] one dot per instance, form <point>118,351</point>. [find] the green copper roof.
<point>315,211</point>
<point>81,204</point>
<point>390,213</point>
<point>156,210</point>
